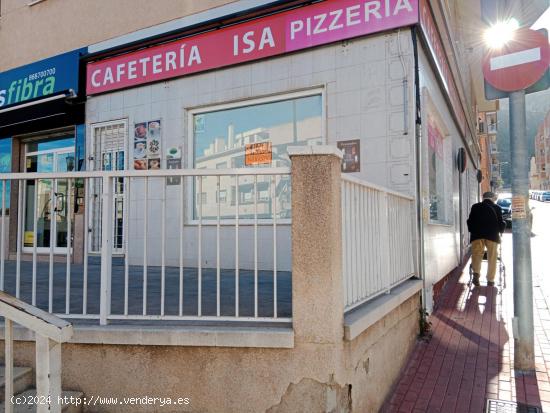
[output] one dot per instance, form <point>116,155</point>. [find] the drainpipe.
<point>418,153</point>
<point>460,215</point>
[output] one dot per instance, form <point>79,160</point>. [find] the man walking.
<point>485,224</point>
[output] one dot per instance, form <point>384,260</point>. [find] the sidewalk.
<point>470,356</point>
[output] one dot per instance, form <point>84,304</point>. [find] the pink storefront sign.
<point>309,26</point>
<point>331,21</point>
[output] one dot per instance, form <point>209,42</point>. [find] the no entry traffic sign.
<point>518,64</point>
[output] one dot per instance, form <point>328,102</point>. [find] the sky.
<point>543,21</point>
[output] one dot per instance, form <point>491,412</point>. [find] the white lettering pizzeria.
<point>346,17</point>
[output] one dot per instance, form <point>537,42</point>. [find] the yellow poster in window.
<point>29,238</point>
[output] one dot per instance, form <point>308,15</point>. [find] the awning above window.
<point>46,113</point>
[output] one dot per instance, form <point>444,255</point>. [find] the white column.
<point>106,249</point>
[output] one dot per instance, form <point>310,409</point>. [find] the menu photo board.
<point>351,159</point>
<point>147,145</point>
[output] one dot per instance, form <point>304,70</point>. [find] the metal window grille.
<point>108,154</point>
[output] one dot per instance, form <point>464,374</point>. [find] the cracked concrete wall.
<point>312,396</point>
<point>354,376</point>
<point>376,358</point>
<point>313,378</point>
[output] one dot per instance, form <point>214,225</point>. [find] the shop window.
<point>436,165</point>
<point>233,195</point>
<point>263,196</point>
<point>237,162</point>
<point>5,166</point>
<point>221,196</point>
<point>491,119</point>
<point>481,122</point>
<point>439,166</point>
<point>223,134</point>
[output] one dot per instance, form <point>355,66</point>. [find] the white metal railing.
<point>50,332</point>
<point>196,244</point>
<point>377,240</point>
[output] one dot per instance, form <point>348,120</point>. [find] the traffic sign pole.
<point>524,342</point>
<point>514,68</point>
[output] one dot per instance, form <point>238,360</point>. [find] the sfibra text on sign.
<point>27,88</point>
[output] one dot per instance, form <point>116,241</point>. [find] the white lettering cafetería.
<point>347,17</point>
<point>141,67</point>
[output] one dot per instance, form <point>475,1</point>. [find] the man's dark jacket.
<point>485,221</point>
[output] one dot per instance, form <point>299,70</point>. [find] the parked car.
<point>545,196</point>
<point>504,201</point>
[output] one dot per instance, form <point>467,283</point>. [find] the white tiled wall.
<point>363,83</point>
<point>442,242</point>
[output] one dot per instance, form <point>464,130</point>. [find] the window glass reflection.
<point>221,139</point>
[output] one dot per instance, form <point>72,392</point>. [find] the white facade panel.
<point>364,98</point>
<point>442,240</point>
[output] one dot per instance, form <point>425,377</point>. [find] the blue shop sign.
<point>44,78</point>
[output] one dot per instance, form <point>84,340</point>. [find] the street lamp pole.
<point>524,342</point>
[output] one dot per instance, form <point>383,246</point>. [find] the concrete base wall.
<point>353,376</point>
<point>378,356</point>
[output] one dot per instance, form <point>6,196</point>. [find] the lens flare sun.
<point>501,33</point>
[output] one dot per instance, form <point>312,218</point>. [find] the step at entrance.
<point>23,381</point>
<point>23,378</point>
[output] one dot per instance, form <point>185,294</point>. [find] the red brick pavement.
<point>470,355</point>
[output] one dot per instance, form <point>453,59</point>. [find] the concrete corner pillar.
<point>317,285</point>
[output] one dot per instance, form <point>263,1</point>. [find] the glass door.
<point>49,199</point>
<point>63,199</point>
